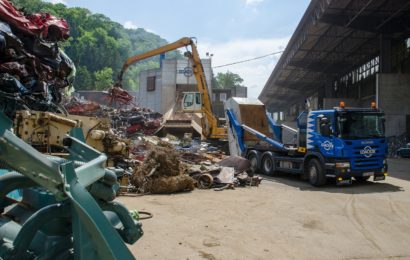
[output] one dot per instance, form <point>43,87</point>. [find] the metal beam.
<point>393,15</point>
<point>359,13</point>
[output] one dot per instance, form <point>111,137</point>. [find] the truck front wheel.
<point>316,173</point>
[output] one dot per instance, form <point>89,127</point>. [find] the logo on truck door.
<point>368,151</point>
<point>327,145</point>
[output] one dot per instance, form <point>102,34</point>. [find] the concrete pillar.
<point>385,61</point>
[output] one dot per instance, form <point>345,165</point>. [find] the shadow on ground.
<point>331,187</point>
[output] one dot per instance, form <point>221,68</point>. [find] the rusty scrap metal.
<point>33,69</point>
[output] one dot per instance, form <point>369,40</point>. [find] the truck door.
<point>325,126</point>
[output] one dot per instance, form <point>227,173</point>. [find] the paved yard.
<point>284,218</point>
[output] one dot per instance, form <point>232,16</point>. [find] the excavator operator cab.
<point>192,102</point>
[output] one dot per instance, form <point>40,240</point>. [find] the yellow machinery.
<point>45,131</point>
<point>209,123</point>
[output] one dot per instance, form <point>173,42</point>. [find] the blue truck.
<point>340,143</point>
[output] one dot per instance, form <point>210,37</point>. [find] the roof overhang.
<point>332,38</point>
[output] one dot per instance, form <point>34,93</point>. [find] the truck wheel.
<point>267,164</point>
<point>254,158</point>
<point>316,173</point>
<point>362,178</point>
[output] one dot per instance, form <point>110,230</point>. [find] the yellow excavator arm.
<point>210,126</point>
<point>169,47</point>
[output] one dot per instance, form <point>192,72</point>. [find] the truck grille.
<point>368,163</point>
<point>360,162</point>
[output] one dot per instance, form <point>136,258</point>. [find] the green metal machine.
<point>67,208</point>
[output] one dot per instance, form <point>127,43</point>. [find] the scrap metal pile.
<point>168,165</point>
<point>136,121</point>
<point>75,106</point>
<point>127,122</point>
<point>33,69</point>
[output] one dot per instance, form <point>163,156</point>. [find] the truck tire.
<point>267,164</point>
<point>254,157</point>
<point>316,173</point>
<point>362,178</point>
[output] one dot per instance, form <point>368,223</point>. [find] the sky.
<point>231,30</point>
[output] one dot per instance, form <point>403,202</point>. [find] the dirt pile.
<point>161,172</point>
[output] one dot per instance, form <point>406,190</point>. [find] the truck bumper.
<point>344,176</point>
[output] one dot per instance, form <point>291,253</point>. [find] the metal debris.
<point>33,69</point>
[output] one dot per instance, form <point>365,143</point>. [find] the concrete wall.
<point>172,73</point>
<point>168,93</point>
<point>393,96</point>
<point>185,78</point>
<point>184,74</point>
<point>150,99</point>
<point>207,64</point>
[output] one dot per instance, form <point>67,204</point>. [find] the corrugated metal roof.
<point>332,38</point>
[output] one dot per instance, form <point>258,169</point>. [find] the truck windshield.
<point>356,125</point>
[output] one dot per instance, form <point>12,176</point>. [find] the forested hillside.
<point>99,46</point>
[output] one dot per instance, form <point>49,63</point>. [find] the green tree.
<point>83,79</point>
<point>103,79</point>
<point>228,80</point>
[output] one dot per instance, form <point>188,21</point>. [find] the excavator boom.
<point>169,47</point>
<point>210,127</point>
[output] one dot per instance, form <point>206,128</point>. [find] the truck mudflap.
<point>379,176</point>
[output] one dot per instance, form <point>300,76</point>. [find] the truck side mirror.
<point>325,129</point>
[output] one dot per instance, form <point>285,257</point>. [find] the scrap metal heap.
<point>128,122</point>
<point>169,165</point>
<point>67,209</point>
<point>33,69</point>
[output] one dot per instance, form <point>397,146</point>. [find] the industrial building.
<point>162,88</point>
<point>346,50</point>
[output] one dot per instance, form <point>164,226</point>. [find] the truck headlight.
<point>342,165</point>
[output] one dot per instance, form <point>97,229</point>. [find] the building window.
<point>150,83</point>
<point>213,97</point>
<point>222,97</point>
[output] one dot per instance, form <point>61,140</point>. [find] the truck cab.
<point>349,142</point>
